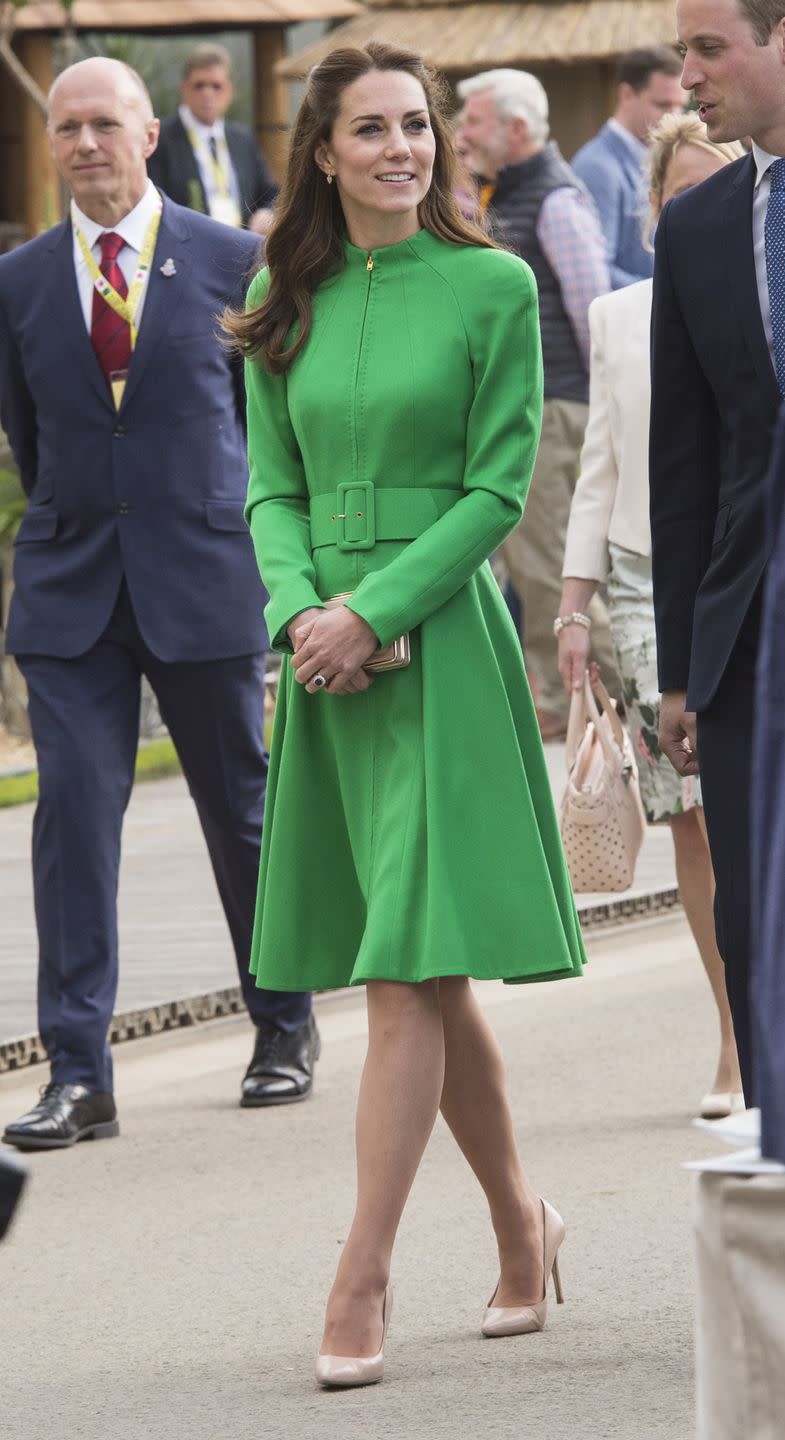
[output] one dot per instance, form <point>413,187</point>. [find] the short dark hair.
<point>763,15</point>
<point>637,66</point>
<point>205,57</point>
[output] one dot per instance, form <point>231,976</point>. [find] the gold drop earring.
<point>330,177</point>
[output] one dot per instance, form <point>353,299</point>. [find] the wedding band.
<point>319,682</point>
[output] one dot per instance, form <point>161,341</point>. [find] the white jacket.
<point>611,500</point>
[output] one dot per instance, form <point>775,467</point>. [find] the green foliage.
<point>154,761</point>
<point>159,61</point>
<point>12,505</point>
<point>18,789</point>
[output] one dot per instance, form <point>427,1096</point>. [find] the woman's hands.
<point>335,644</point>
<point>574,645</point>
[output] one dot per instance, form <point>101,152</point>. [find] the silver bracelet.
<point>577,618</point>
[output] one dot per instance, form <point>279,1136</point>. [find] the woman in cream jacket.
<point>609,543</point>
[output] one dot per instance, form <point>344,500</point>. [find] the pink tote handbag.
<point>601,817</point>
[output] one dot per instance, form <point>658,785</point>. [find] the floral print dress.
<point>631,613</point>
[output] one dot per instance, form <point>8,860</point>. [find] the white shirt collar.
<point>636,146</point>
<point>201,130</point>
<point>132,227</point>
<point>763,162</point>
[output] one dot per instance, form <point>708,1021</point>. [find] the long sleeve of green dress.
<point>277,510</point>
<point>409,830</point>
<point>495,318</point>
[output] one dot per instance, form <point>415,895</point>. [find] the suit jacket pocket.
<point>225,515</point>
<point>37,525</point>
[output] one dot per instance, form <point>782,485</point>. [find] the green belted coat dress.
<point>409,831</point>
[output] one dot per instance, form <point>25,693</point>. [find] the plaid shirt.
<point>572,242</point>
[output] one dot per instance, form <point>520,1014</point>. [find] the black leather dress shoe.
<point>12,1182</point>
<point>63,1115</point>
<point>281,1070</point>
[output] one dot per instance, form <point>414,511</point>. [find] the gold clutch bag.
<point>392,657</point>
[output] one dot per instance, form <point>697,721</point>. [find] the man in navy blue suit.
<point>718,375</point>
<point>768,967</point>
<point>126,418</point>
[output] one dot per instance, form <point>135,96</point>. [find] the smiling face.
<point>102,132</point>
<point>381,154</point>
<point>738,85</point>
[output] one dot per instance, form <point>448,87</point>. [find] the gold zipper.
<point>369,266</point>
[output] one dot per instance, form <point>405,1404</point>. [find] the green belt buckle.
<point>356,515</point>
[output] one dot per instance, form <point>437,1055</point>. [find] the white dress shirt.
<point>760,204</point>
<point>133,228</point>
<point>204,134</point>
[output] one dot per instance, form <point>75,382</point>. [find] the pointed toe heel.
<point>501,1320</point>
<point>342,1372</point>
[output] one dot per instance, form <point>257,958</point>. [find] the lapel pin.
<point>168,268</point>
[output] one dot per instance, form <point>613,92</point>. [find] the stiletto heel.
<point>343,1371</point>
<point>526,1319</point>
<point>557,1281</point>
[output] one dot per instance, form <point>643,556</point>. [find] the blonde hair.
<point>668,136</point>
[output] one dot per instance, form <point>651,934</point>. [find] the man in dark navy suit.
<point>209,163</point>
<point>126,418</point>
<point>768,966</point>
<point>718,376</point>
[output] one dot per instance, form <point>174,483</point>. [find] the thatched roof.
<point>461,38</point>
<point>181,15</point>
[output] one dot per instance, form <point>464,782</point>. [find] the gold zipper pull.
<point>369,266</point>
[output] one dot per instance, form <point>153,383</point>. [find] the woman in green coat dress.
<point>394,402</point>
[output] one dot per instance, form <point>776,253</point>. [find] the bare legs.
<point>695,879</point>
<point>397,1106</point>
<point>474,1104</point>
<point>428,1045</point>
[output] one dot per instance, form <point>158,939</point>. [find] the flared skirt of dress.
<point>410,831</point>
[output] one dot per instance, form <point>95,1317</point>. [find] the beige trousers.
<point>534,554</point>
<point>739,1227</point>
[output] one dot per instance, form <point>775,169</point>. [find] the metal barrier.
<point>218,1004</point>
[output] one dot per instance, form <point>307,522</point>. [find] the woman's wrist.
<point>575,617</point>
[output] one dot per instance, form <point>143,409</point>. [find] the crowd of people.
<point>431,368</point>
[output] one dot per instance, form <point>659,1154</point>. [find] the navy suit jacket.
<point>173,168</point>
<point>714,406</point>
<point>153,492</point>
<point>614,176</point>
<point>768,812</point>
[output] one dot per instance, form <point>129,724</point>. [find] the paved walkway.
<point>173,938</point>
<point>171,1283</point>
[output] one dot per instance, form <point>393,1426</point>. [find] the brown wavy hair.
<point>305,245</point>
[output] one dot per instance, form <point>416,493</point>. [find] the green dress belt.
<point>359,514</point>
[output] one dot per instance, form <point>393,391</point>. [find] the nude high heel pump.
<point>342,1371</point>
<point>524,1319</point>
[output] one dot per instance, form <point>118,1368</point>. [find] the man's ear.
<point>520,129</point>
<point>153,133</point>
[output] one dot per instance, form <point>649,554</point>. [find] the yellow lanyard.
<point>220,167</point>
<point>126,308</point>
<point>486,196</point>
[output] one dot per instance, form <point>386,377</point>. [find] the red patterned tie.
<point>110,334</point>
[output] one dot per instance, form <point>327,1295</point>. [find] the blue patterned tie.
<point>775,265</point>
